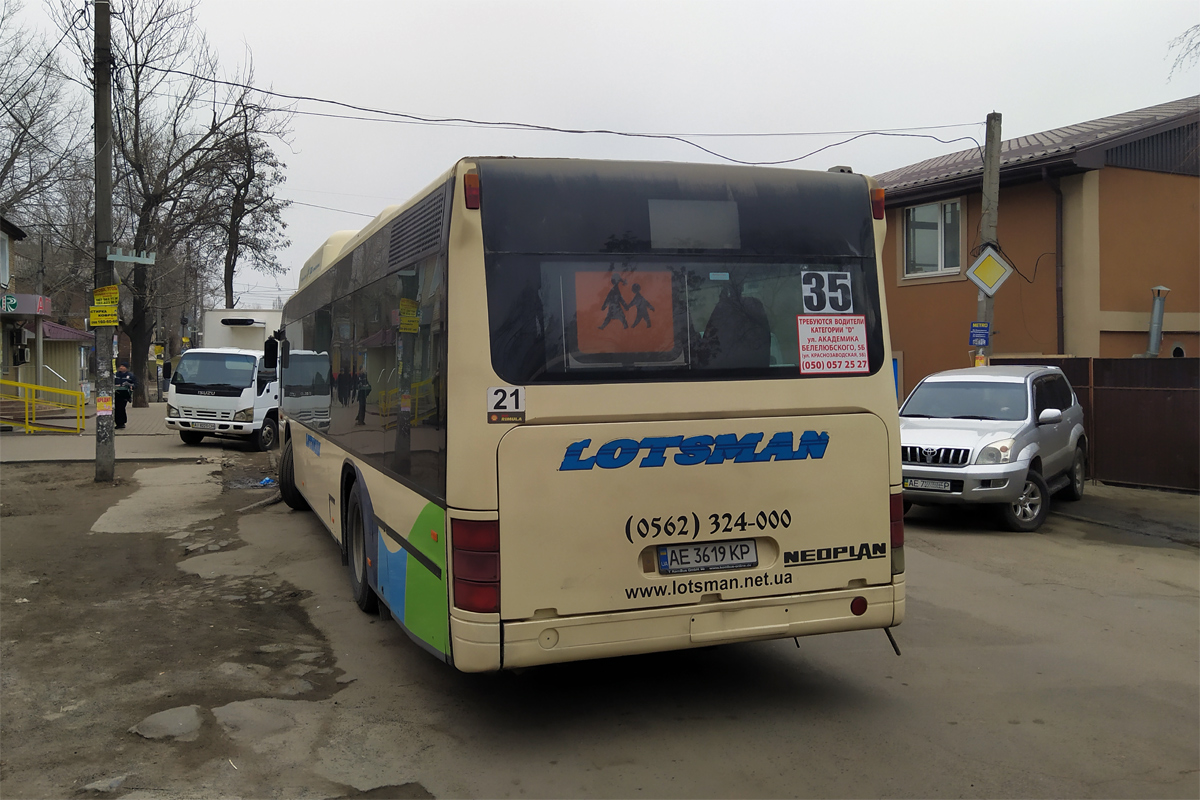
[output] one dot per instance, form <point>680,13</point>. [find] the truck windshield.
<point>215,369</point>
<point>967,400</point>
<point>307,375</point>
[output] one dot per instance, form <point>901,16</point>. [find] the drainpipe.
<point>1058,258</point>
<point>1156,322</point>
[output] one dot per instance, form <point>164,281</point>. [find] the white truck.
<point>224,390</point>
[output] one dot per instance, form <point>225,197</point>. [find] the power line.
<point>327,208</point>
<point>527,126</point>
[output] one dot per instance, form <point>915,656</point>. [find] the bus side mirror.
<point>270,354</point>
<point>285,351</point>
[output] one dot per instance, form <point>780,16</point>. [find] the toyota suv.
<point>1009,436</point>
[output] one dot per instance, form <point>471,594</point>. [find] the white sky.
<point>677,67</point>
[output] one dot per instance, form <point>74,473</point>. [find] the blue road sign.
<point>979,334</point>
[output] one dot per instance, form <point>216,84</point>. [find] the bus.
<point>578,409</point>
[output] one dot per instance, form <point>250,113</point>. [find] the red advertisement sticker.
<point>833,344</point>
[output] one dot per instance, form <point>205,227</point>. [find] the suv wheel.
<point>1074,490</point>
<point>1030,510</point>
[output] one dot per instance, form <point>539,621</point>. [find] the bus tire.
<point>356,552</point>
<point>287,481</point>
<point>191,437</point>
<point>264,437</point>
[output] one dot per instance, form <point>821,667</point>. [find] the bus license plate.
<point>204,426</point>
<point>733,554</point>
<point>922,483</point>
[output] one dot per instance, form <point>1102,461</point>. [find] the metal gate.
<point>1142,417</point>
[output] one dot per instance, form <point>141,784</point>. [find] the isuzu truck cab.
<point>224,392</point>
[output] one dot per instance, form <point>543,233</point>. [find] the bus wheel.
<point>364,596</point>
<point>287,481</point>
<point>191,437</point>
<point>265,438</point>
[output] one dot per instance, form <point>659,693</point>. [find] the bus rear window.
<point>591,319</point>
<point>619,271</point>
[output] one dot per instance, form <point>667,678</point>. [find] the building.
<point>33,348</point>
<point>1093,216</point>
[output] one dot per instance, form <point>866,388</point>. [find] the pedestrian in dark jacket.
<point>123,385</point>
<point>364,389</point>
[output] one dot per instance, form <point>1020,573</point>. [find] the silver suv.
<point>1010,436</point>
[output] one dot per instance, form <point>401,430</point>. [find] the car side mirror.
<point>1050,416</point>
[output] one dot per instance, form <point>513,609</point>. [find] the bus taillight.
<point>897,515</point>
<point>475,551</point>
<point>471,189</point>
<point>877,203</point>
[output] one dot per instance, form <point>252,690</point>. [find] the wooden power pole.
<point>989,215</point>
<point>106,446</point>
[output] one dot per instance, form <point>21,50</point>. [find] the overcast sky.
<point>673,67</point>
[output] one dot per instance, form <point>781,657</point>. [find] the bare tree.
<point>175,134</point>
<point>1188,46</point>
<point>42,127</point>
<point>252,225</point>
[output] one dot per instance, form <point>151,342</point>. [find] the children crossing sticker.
<point>833,344</point>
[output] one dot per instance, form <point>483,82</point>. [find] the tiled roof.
<point>1047,145</point>
<point>52,330</point>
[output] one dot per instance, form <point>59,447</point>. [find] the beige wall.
<point>1081,264</point>
<point>1124,231</point>
<point>1149,226</point>
<point>930,321</point>
<point>1149,236</point>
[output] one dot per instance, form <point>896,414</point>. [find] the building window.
<point>931,239</point>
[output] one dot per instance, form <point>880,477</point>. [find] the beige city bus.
<point>578,409</point>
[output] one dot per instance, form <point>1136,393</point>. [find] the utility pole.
<point>990,214</point>
<point>106,446</point>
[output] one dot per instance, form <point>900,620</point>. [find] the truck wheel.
<point>356,550</point>
<point>1074,490</point>
<point>191,437</point>
<point>287,480</point>
<point>1029,511</point>
<point>264,438</point>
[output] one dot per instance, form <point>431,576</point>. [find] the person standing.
<point>123,385</point>
<point>364,389</point>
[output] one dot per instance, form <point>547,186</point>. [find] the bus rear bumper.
<point>548,641</point>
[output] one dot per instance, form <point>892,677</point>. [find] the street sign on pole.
<point>989,271</point>
<point>107,295</point>
<point>979,334</point>
<point>102,316</point>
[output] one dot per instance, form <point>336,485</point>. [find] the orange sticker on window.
<point>627,312</point>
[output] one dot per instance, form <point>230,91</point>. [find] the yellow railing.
<point>421,400</point>
<point>33,401</point>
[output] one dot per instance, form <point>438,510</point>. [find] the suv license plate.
<point>921,483</point>
<point>204,426</point>
<point>732,554</point>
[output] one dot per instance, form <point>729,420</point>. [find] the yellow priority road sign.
<point>989,271</point>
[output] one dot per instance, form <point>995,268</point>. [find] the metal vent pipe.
<point>1156,322</point>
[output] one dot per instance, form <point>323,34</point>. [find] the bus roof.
<point>345,241</point>
<point>552,169</point>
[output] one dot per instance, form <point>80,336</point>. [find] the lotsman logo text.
<point>696,450</point>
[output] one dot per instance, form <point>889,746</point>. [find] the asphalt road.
<point>1058,664</point>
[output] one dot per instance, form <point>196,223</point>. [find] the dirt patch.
<point>100,630</point>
